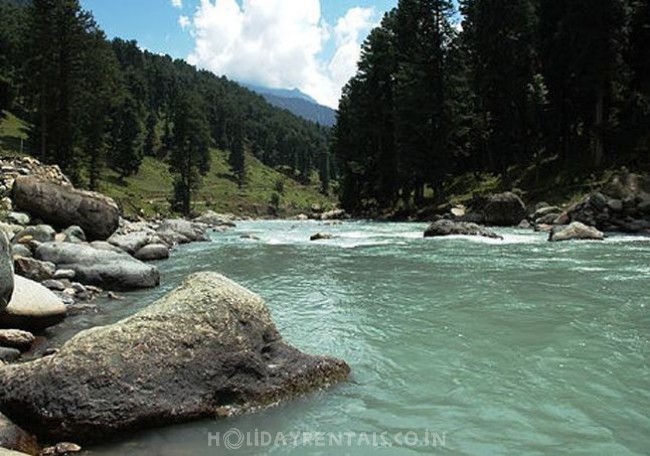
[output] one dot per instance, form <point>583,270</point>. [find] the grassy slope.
<point>534,183</point>
<point>148,192</point>
<point>12,131</point>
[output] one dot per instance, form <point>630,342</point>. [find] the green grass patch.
<point>14,133</point>
<point>147,193</point>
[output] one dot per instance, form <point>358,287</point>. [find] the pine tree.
<point>502,35</point>
<point>237,157</point>
<point>190,155</point>
<point>97,95</point>
<point>152,142</point>
<point>127,137</point>
<point>57,66</point>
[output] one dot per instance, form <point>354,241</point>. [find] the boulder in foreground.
<point>32,307</point>
<point>208,348</point>
<point>450,228</point>
<point>106,269</point>
<point>62,206</point>
<point>576,232</point>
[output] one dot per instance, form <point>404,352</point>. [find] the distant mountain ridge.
<point>298,103</point>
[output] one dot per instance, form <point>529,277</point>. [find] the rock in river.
<point>209,347</point>
<point>15,338</point>
<point>132,242</point>
<point>63,206</point>
<point>503,209</point>
<point>178,231</point>
<point>153,252</point>
<point>32,307</point>
<point>449,228</point>
<point>321,237</point>
<point>106,269</point>
<point>575,231</point>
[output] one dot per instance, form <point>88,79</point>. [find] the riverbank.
<point>71,250</point>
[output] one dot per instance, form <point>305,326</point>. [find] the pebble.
<point>53,285</point>
<point>61,449</point>
<point>15,338</point>
<point>64,274</point>
<point>9,355</point>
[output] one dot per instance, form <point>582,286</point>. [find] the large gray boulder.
<point>208,348</point>
<point>6,271</point>
<point>106,269</point>
<point>450,228</point>
<point>503,209</point>
<point>179,231</point>
<point>575,232</point>
<point>132,242</point>
<point>63,206</point>
<point>214,219</point>
<point>153,252</point>
<point>33,307</point>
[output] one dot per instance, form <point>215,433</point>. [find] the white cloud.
<point>184,22</point>
<point>177,4</point>
<point>279,43</point>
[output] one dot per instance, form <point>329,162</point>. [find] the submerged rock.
<point>321,237</point>
<point>107,269</point>
<point>575,231</point>
<point>32,307</point>
<point>209,347</point>
<point>63,206</point>
<point>450,228</point>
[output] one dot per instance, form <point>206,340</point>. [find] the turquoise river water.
<point>457,346</point>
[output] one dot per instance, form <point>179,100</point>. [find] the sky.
<point>312,45</point>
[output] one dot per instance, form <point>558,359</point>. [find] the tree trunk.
<point>598,144</point>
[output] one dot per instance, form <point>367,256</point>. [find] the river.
<point>457,346</point>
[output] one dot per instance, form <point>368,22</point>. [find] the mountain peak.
<point>297,102</point>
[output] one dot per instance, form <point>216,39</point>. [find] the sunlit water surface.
<point>477,346</point>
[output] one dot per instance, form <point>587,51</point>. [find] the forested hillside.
<point>97,104</point>
<point>559,88</point>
